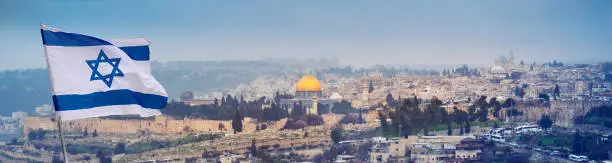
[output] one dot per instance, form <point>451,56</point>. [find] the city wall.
<point>562,112</point>
<point>160,124</point>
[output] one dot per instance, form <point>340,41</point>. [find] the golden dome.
<point>308,83</point>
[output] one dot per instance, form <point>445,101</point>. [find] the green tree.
<point>577,144</point>
<point>216,103</point>
<point>449,131</point>
<point>361,116</point>
<point>371,87</point>
<point>483,110</point>
<point>343,107</point>
<point>119,148</point>
<point>221,126</point>
<point>467,127</point>
<point>390,101</point>
<point>253,148</point>
<point>322,108</point>
<point>545,122</point>
<point>557,92</point>
<point>103,156</point>
<point>237,122</point>
<point>383,122</point>
<point>37,134</point>
<point>336,134</point>
<point>56,159</point>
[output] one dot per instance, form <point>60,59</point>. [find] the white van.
<point>498,138</point>
<point>527,129</point>
<point>578,158</point>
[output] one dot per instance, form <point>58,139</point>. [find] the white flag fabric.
<point>91,77</point>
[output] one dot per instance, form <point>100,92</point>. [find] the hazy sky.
<point>357,32</point>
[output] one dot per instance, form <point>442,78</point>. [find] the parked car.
<point>514,145</point>
<point>537,149</point>
<point>556,153</point>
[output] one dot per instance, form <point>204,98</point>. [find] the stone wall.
<point>159,125</point>
<point>562,112</point>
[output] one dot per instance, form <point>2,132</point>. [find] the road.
<point>537,155</point>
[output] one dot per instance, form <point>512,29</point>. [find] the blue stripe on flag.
<point>70,39</point>
<point>137,53</point>
<point>113,97</point>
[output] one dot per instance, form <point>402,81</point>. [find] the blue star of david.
<point>96,75</point>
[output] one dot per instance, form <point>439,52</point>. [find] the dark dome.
<point>186,95</point>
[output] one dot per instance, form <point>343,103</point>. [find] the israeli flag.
<point>91,77</point>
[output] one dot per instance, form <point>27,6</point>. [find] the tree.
<point>509,103</point>
<point>221,126</point>
<point>450,129</point>
<point>237,122</point>
<point>298,110</point>
<point>371,87</point>
<point>216,103</point>
<point>37,134</point>
<point>361,116</point>
<point>383,122</point>
<point>312,119</point>
<point>496,107</point>
<point>577,146</point>
<point>545,122</point>
<point>322,108</point>
<point>119,148</point>
<point>336,134</point>
<point>103,157</point>
<point>467,127</point>
<point>557,92</point>
<point>349,119</point>
<point>56,159</point>
<point>343,107</point>
<point>253,148</point>
<point>293,124</point>
<point>545,98</point>
<point>390,100</point>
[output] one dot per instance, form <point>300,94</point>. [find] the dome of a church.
<point>308,83</point>
<point>186,95</point>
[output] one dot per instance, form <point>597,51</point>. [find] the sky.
<point>359,33</point>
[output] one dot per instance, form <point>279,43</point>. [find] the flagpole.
<point>59,118</point>
<point>61,134</point>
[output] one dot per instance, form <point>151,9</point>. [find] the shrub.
<point>295,124</point>
<point>313,120</point>
<point>349,119</point>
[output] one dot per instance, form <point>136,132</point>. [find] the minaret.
<point>314,108</point>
